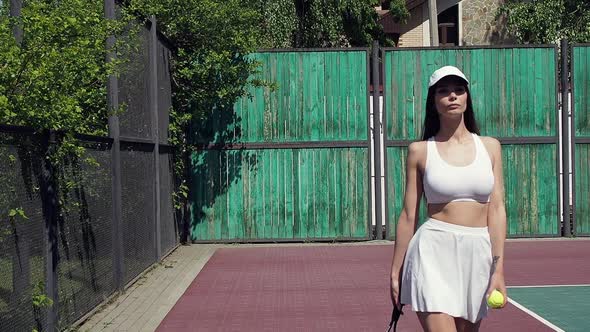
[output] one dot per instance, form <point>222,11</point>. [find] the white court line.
<point>545,286</point>
<point>539,318</point>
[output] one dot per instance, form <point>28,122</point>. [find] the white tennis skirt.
<point>447,269</point>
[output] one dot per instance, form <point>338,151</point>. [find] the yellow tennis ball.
<point>495,300</point>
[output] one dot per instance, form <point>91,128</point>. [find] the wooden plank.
<point>293,115</point>
<point>510,200</point>
<point>392,107</point>
<point>510,98</point>
<point>243,210</point>
<point>492,122</point>
<point>348,195</point>
<point>225,191</point>
<point>289,206</point>
<point>364,107</point>
<point>313,105</point>
<point>216,194</point>
<point>267,194</point>
<point>316,192</point>
<point>212,158</point>
<point>581,80</point>
<point>296,171</point>
<point>502,102</point>
<point>338,194</point>
<point>257,229</point>
<point>364,194</point>
<point>524,167</point>
<point>303,193</point>
<point>581,94</point>
<point>528,99</point>
<point>323,216</point>
<point>536,82</point>
<point>279,199</point>
<point>331,194</point>
<point>282,93</point>
<point>582,187</point>
<point>395,184</point>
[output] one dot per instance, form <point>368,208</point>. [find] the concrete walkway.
<point>143,305</point>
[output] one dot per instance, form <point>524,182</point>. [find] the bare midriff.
<point>470,214</point>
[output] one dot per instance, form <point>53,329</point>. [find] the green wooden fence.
<point>290,163</point>
<point>581,111</point>
<point>514,94</point>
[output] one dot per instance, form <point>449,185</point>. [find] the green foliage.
<point>40,301</point>
<point>320,23</point>
<point>11,208</point>
<point>17,212</point>
<point>399,11</point>
<point>210,69</point>
<point>279,23</point>
<point>548,21</point>
<point>212,39</point>
<point>55,78</point>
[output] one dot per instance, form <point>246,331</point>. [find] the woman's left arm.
<point>497,220</point>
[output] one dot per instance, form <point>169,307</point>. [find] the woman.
<point>455,259</point>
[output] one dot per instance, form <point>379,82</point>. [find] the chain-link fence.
<point>74,232</point>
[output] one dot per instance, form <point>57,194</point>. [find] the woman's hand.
<point>497,282</point>
<point>395,291</point>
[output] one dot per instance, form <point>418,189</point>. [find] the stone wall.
<point>480,25</point>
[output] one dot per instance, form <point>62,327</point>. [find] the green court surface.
<point>566,307</point>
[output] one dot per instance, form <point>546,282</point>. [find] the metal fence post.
<point>377,143</point>
<point>48,191</point>
<point>113,104</point>
<point>15,10</point>
<point>153,86</point>
<point>565,143</point>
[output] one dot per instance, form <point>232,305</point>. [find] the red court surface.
<point>344,288</point>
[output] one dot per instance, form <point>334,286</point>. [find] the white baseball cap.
<point>444,72</point>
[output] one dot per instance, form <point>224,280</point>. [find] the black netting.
<point>84,231</point>
<point>138,222</point>
<point>85,269</point>
<point>164,91</point>
<point>134,92</point>
<point>22,244</point>
<point>168,227</point>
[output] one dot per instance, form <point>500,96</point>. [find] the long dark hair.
<point>432,122</point>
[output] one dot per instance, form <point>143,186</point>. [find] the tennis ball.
<point>495,300</point>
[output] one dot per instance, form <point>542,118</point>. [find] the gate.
<point>292,163</point>
<point>580,56</point>
<point>515,100</point>
<point>289,163</point>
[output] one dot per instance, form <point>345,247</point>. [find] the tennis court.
<point>345,287</point>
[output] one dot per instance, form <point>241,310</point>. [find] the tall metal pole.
<point>155,130</point>
<point>565,146</point>
<point>48,191</point>
<point>433,20</point>
<point>21,266</point>
<point>15,9</point>
<point>113,104</point>
<point>377,143</point>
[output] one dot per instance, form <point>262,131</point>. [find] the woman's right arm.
<point>406,224</point>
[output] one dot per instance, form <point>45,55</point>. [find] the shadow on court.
<point>346,288</point>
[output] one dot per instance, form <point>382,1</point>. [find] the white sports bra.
<point>444,183</point>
